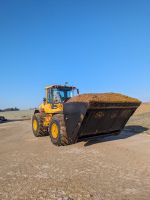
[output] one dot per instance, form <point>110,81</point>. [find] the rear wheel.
<point>57,130</point>
<point>37,125</point>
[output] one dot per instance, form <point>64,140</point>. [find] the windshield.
<point>61,94</point>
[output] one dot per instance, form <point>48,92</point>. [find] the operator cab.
<point>60,94</point>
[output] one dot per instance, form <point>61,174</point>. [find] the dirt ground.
<point>102,168</point>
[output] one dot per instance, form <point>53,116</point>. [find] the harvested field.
<point>101,168</point>
<point>13,115</point>
<point>104,98</point>
<point>144,108</point>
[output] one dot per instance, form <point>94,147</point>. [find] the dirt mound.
<point>103,97</point>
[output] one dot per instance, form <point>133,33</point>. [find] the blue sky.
<point>97,45</point>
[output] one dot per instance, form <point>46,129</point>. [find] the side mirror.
<point>44,100</point>
<point>78,92</point>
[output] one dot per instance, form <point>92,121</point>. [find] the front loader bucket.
<point>93,118</point>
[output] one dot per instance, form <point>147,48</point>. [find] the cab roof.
<point>60,86</point>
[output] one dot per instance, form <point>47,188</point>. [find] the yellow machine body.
<point>51,108</point>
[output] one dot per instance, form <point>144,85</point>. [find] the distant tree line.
<point>9,109</point>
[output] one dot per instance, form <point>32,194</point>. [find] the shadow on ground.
<point>128,131</point>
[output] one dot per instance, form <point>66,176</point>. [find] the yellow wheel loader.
<point>67,116</point>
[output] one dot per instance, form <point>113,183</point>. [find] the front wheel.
<point>57,130</point>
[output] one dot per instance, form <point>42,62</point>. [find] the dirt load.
<point>103,98</point>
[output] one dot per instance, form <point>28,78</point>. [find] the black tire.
<point>62,138</point>
<point>41,130</point>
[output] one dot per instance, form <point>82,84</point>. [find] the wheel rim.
<point>35,125</point>
<point>54,130</point>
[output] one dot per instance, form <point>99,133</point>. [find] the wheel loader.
<point>66,116</point>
